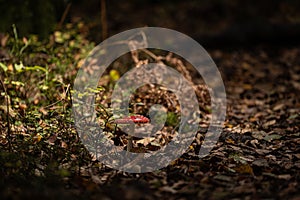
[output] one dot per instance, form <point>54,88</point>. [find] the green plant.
<point>36,100</point>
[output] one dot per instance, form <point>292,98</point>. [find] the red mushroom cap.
<point>137,119</point>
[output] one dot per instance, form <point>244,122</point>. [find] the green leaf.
<point>58,37</point>
<point>44,87</point>
<point>3,66</point>
<point>172,119</point>
<point>36,68</point>
<point>17,83</point>
<point>114,75</point>
<point>96,90</point>
<point>19,67</point>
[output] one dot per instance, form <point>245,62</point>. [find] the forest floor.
<point>256,157</point>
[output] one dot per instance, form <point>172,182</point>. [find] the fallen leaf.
<point>37,138</point>
<point>12,113</point>
<point>168,189</point>
<point>269,123</point>
<point>285,176</point>
<point>272,137</point>
<point>145,141</point>
<point>261,163</point>
<point>278,106</point>
<point>223,178</point>
<point>259,134</point>
<point>244,169</point>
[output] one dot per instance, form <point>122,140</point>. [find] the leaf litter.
<point>257,152</point>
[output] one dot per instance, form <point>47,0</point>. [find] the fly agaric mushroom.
<point>136,119</point>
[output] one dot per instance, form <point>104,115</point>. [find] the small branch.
<point>152,55</point>
<point>103,20</point>
<point>63,17</point>
<point>52,104</point>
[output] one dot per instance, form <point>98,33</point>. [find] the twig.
<point>156,58</point>
<point>52,104</point>
<point>103,20</point>
<point>63,17</point>
<point>63,99</point>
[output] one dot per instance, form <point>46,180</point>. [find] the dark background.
<point>214,23</point>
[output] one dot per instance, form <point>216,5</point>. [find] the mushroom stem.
<point>129,143</point>
<point>130,138</point>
